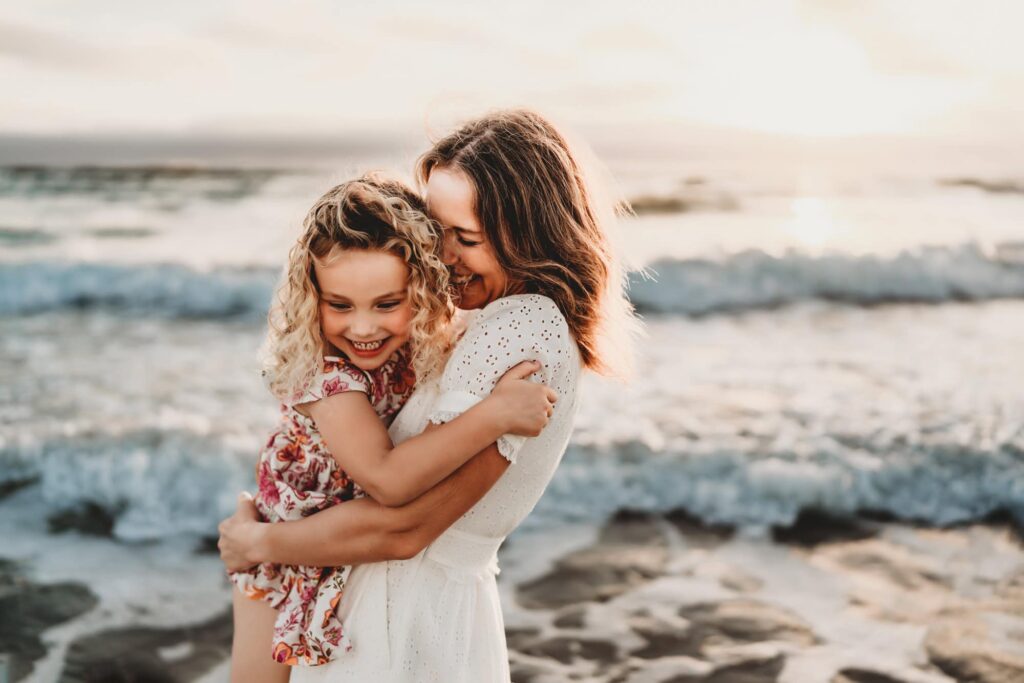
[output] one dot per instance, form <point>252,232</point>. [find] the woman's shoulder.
<point>535,310</point>
<point>520,322</point>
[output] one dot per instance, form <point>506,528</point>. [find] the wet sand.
<point>665,599</point>
<point>645,598</point>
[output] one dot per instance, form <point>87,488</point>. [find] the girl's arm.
<point>395,475</point>
<point>362,530</point>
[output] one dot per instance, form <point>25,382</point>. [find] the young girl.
<point>362,313</point>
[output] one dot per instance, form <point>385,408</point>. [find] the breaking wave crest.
<point>744,281</point>
<point>755,280</point>
<point>157,483</point>
<point>166,290</point>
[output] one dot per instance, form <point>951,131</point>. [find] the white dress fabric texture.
<point>437,616</point>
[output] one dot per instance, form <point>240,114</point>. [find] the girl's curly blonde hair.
<point>372,212</point>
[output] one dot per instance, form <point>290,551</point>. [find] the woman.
<point>527,250</point>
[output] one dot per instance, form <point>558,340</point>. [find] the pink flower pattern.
<point>297,477</point>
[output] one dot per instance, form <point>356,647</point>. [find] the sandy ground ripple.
<point>643,598</point>
<point>664,599</point>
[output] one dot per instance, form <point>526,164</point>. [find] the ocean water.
<point>848,340</point>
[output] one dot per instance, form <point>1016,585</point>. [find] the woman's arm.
<point>360,531</point>
<point>395,475</point>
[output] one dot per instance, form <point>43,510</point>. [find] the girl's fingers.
<point>522,370</point>
<point>551,394</point>
<point>246,506</point>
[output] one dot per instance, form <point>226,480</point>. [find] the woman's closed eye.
<point>460,235</point>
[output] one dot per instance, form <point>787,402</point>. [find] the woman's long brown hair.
<point>540,218</point>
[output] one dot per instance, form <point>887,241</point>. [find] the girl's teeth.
<point>368,346</point>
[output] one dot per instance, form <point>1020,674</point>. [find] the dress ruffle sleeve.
<point>337,377</point>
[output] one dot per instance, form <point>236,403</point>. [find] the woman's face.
<point>477,277</point>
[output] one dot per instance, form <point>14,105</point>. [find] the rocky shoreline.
<point>646,598</point>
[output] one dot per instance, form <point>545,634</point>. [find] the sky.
<point>826,68</point>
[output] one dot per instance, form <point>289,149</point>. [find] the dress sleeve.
<point>507,332</point>
<point>337,377</point>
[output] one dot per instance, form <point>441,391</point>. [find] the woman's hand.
<point>524,407</point>
<point>240,536</point>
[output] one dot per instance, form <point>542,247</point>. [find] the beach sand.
<point>643,598</point>
<point>665,599</point>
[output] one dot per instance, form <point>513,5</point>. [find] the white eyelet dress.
<point>437,616</point>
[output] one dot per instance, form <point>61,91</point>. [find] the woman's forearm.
<point>424,519</point>
<point>355,532</point>
<point>362,531</point>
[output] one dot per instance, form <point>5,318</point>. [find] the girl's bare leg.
<point>250,650</point>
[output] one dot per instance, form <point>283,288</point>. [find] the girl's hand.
<point>240,536</point>
<point>521,406</point>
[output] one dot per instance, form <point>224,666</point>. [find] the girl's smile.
<point>368,349</point>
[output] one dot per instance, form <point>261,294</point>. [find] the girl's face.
<point>364,305</point>
<point>477,277</point>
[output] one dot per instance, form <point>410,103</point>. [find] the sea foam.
<point>157,484</point>
<point>154,483</point>
<point>744,281</point>
<point>754,279</point>
<point>936,485</point>
<point>165,290</point>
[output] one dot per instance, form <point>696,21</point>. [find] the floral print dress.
<point>297,476</point>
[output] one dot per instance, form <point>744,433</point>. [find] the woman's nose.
<point>449,249</point>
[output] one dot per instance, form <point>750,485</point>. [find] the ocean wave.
<point>745,281</point>
<point>25,237</point>
<point>939,484</point>
<point>756,280</point>
<point>1001,186</point>
<point>156,483</point>
<point>166,290</point>
<point>128,183</point>
<point>153,483</point>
